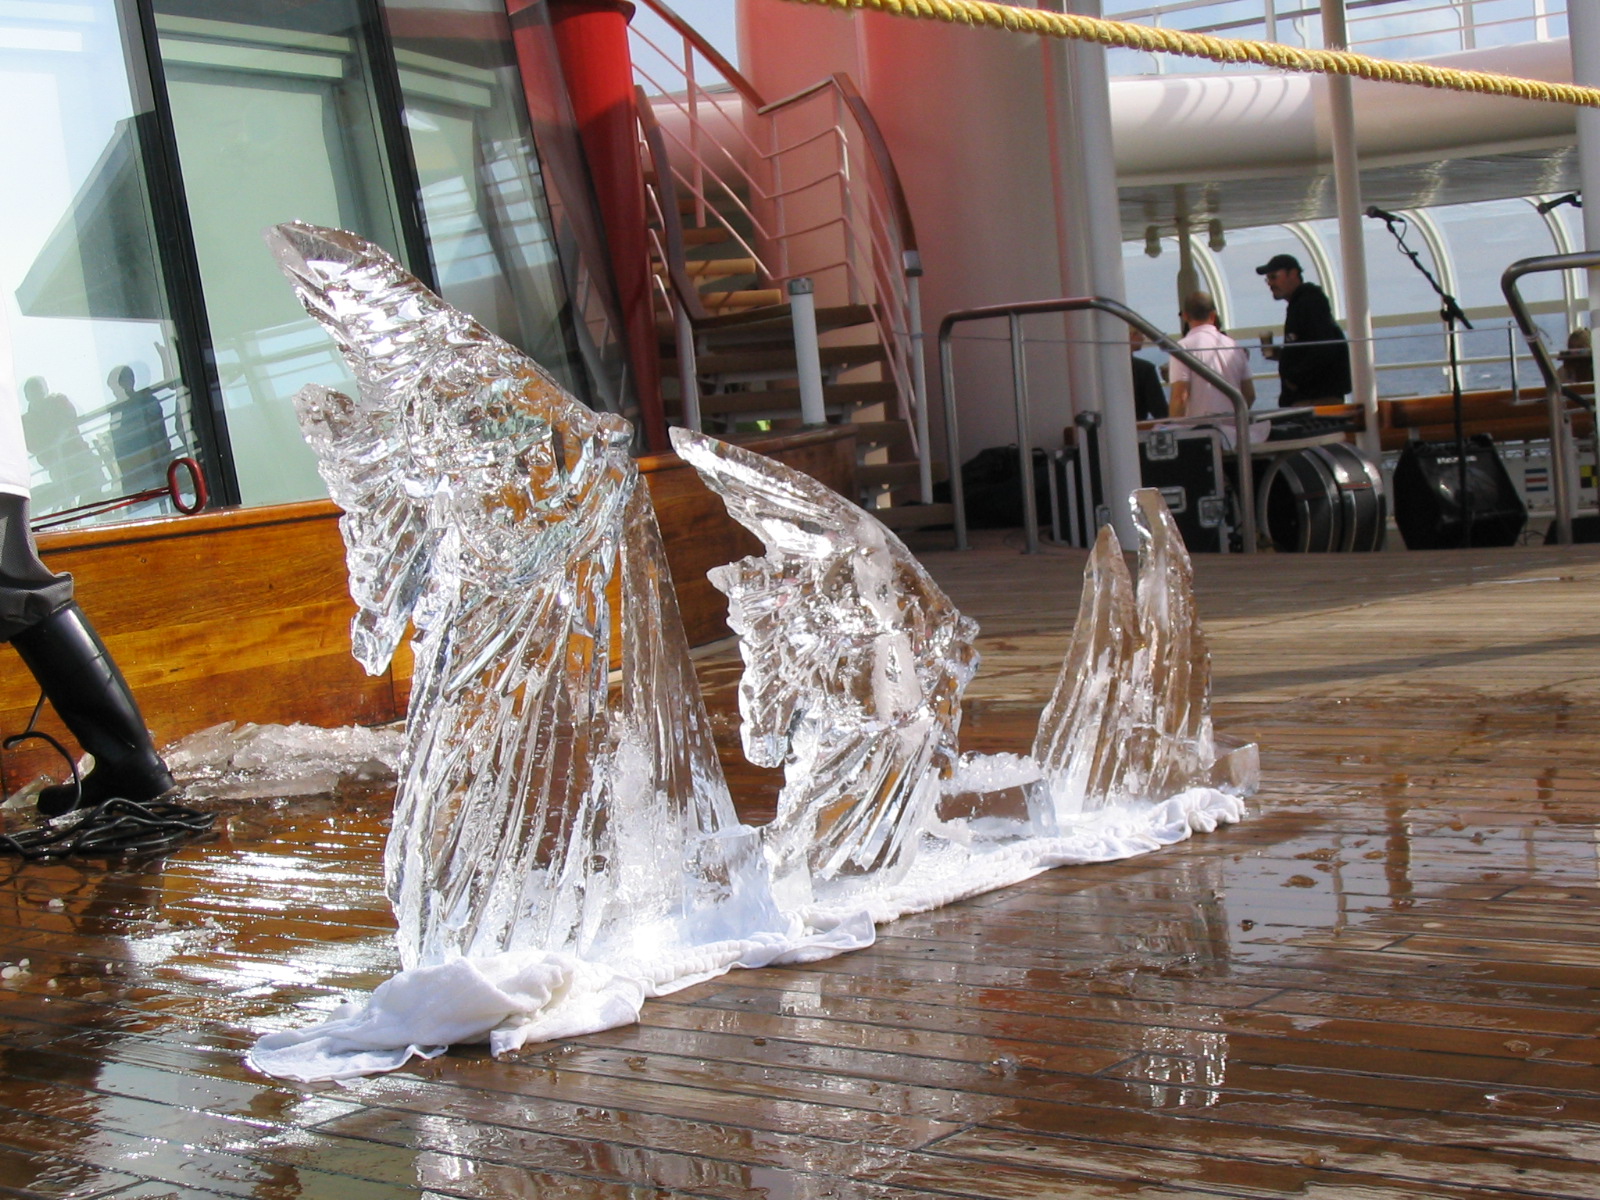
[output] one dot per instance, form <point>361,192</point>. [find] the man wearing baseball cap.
<point>1314,363</point>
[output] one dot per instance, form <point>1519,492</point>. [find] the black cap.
<point>1279,262</point>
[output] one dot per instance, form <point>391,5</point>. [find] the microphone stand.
<point>1450,313</point>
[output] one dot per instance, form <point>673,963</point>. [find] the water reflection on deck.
<point>1384,982</point>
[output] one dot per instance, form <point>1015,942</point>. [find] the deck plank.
<point>1382,984</point>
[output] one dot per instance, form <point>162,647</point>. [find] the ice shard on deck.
<point>536,807</point>
<point>1130,718</point>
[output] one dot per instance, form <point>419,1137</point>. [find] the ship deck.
<point>1383,983</point>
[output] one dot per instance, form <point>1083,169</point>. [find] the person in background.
<point>1149,398</point>
<point>39,617</point>
<point>138,432</point>
<point>50,424</point>
<point>1193,396</point>
<point>1314,361</point>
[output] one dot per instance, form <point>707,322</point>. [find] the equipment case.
<point>1185,465</point>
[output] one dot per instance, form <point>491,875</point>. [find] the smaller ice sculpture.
<point>854,666</point>
<point>564,846</point>
<point>1130,717</point>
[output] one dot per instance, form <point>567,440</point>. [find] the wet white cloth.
<point>1228,359</point>
<point>15,474</point>
<point>510,1000</point>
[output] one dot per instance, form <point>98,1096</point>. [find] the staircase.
<point>723,170</point>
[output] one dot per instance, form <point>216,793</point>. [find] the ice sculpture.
<point>1131,713</point>
<point>854,666</point>
<point>535,809</point>
<point>564,845</point>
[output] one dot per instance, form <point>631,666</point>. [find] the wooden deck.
<point>1383,984</point>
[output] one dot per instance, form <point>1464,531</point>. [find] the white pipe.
<point>1583,37</point>
<point>807,351</point>
<point>1352,241</point>
<point>919,377</point>
<point>1089,86</point>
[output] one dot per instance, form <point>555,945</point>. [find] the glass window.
<point>275,120</point>
<point>1486,238</point>
<point>1151,284</point>
<point>484,207</point>
<point>1248,308</point>
<point>86,327</point>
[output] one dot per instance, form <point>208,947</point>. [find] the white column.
<point>1083,375</point>
<point>1188,277</point>
<point>1352,242</point>
<point>1583,37</point>
<point>1087,91</point>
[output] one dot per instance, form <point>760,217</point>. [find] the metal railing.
<point>1019,383</point>
<point>1556,394</point>
<point>1403,28</point>
<point>804,186</point>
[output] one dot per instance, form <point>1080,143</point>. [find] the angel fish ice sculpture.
<point>564,846</point>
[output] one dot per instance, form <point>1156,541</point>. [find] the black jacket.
<point>1149,399</point>
<point>1310,373</point>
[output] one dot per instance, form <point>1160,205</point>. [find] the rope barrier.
<point>1122,34</point>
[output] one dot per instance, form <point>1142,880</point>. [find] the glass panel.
<point>275,121</point>
<point>1484,239</point>
<point>1248,308</point>
<point>85,324</point>
<point>483,194</point>
<point>1151,284</point>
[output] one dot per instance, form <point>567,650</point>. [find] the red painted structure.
<point>592,40</point>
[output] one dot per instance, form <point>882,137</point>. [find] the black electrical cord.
<point>115,828</point>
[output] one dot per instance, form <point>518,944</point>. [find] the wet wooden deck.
<point>1383,984</point>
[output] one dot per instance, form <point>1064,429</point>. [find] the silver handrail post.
<point>952,439</point>
<point>1555,394</point>
<point>1014,312</point>
<point>919,374</point>
<point>1019,397</point>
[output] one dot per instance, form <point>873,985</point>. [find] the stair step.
<point>702,268</point>
<point>776,326</point>
<point>754,362</point>
<point>779,324</point>
<point>835,398</point>
<point>896,435</point>
<point>897,474</point>
<point>915,516</point>
<point>706,235</point>
<point>745,298</point>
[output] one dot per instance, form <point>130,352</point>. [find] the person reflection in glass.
<point>53,436</point>
<point>138,432</point>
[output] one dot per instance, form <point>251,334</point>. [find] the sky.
<point>712,18</point>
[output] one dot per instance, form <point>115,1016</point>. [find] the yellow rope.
<point>1226,50</point>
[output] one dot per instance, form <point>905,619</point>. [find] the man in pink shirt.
<point>1192,396</point>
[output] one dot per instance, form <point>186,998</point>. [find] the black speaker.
<point>1427,501</point>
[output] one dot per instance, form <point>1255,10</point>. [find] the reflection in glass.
<point>82,296</point>
<point>482,191</point>
<point>275,119</point>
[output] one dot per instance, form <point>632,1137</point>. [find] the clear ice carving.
<point>855,663</point>
<point>564,844</point>
<point>1130,717</point>
<point>536,809</point>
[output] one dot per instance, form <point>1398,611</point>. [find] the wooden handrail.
<point>876,146</point>
<point>880,154</point>
<point>707,51</point>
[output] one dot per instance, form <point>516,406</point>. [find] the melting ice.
<point>563,849</point>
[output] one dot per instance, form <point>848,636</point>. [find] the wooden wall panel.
<point>244,614</point>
